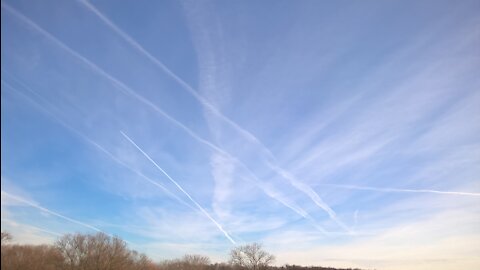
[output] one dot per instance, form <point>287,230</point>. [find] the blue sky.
<point>342,133</point>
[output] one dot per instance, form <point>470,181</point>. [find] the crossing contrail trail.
<point>256,181</point>
<point>20,199</point>
<point>403,190</point>
<point>124,88</point>
<point>313,196</point>
<point>170,73</point>
<point>179,187</point>
<point>269,192</point>
<point>90,141</point>
<point>245,133</point>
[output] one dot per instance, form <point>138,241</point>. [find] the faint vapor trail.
<point>52,212</point>
<point>170,73</point>
<point>402,190</point>
<point>15,224</point>
<point>87,139</point>
<point>58,215</point>
<point>124,88</point>
<point>313,196</point>
<point>295,182</point>
<point>179,187</point>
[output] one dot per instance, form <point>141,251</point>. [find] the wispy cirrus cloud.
<point>46,210</point>
<point>244,133</point>
<point>433,245</point>
<point>28,234</point>
<point>47,108</point>
<point>334,129</point>
<point>209,78</point>
<point>149,104</point>
<point>181,189</point>
<point>379,189</point>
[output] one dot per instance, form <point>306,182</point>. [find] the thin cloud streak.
<point>245,133</point>
<point>458,193</point>
<point>410,131</point>
<point>170,73</point>
<point>124,88</point>
<point>313,195</point>
<point>90,141</point>
<point>20,199</point>
<point>179,187</point>
<point>16,224</point>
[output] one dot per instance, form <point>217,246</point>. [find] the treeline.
<point>74,252</point>
<point>225,266</point>
<point>298,267</point>
<point>102,252</point>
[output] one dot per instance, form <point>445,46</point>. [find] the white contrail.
<point>179,187</point>
<point>88,140</point>
<point>170,73</point>
<point>20,199</point>
<point>142,99</point>
<point>103,73</point>
<point>312,194</point>
<point>295,182</point>
<point>460,193</point>
<point>15,224</point>
<point>257,182</point>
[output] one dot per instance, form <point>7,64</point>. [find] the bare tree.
<point>6,237</point>
<point>102,252</point>
<point>196,259</point>
<point>187,262</point>
<point>251,257</point>
<point>99,252</point>
<point>31,257</point>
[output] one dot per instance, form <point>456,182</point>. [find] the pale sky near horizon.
<point>335,133</point>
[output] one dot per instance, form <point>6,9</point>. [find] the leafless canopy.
<point>188,262</point>
<point>6,237</point>
<point>251,256</point>
<point>99,251</point>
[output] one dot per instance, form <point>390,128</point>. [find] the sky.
<point>335,133</point>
